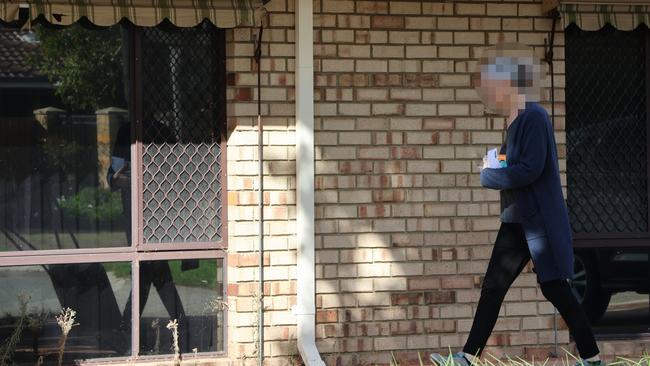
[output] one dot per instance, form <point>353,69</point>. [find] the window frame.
<point>139,251</point>
<point>615,239</point>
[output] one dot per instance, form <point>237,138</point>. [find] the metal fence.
<point>607,174</point>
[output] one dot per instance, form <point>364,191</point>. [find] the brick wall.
<point>278,108</point>
<point>404,230</point>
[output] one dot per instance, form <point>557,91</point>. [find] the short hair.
<point>515,62</point>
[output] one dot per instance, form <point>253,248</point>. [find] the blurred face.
<point>496,94</point>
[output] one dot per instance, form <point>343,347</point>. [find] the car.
<point>600,273</point>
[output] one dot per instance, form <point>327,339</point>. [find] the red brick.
<point>406,153</point>
<point>233,289</point>
<point>407,327</point>
<point>250,259</point>
<point>386,80</point>
<point>440,297</point>
<point>439,325</point>
<point>457,282</point>
<point>420,80</point>
<point>326,316</point>
<point>389,195</point>
<point>407,298</point>
<point>387,21</point>
<point>283,288</point>
<point>500,339</point>
<point>423,283</point>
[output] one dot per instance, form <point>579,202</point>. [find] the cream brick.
<point>521,308</point>
<point>354,109</point>
<point>438,66</point>
<point>357,285</point>
<point>364,94</point>
<point>378,36</point>
<point>410,269</point>
<point>371,66</point>
<point>425,23</point>
<point>438,8</point>
<point>405,94</point>
<point>410,123</point>
<point>453,52</point>
<point>438,95</point>
<point>402,66</point>
<point>420,109</point>
<point>338,65</point>
<point>338,6</point>
<point>468,38</point>
<point>453,109</point>
<point>338,152</point>
<point>373,299</point>
<point>427,52</point>
<point>337,36</point>
<point>466,95</point>
<point>447,80</point>
<point>340,211</point>
<point>517,24</point>
<point>470,9</point>
<point>423,166</point>
<point>420,138</point>
<point>373,153</point>
<point>453,23</point>
<point>530,10</point>
<point>453,194</point>
<point>456,166</point>
<point>389,284</point>
<point>354,51</point>
<point>405,7</point>
<point>389,225</point>
<point>422,341</point>
<point>442,123</point>
<point>470,152</point>
<point>404,37</point>
<point>501,9</point>
<point>443,37</point>
<point>388,51</point>
<point>355,138</point>
<point>487,23</point>
<point>372,7</point>
<point>374,269</point>
<point>387,109</point>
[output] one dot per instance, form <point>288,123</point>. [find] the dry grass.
<point>568,360</point>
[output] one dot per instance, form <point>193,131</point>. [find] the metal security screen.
<point>606,131</point>
<point>182,79</point>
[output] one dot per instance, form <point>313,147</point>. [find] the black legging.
<point>509,256</point>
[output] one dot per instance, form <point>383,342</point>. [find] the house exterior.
<point>402,229</point>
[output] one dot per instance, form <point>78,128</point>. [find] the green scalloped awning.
<point>594,16</point>
<point>183,13</point>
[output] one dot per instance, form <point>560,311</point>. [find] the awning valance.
<point>593,15</point>
<point>183,13</point>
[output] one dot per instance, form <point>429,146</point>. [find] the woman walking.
<point>534,219</point>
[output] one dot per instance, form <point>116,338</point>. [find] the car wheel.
<point>585,286</point>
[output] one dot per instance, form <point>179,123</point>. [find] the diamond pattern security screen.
<point>606,130</point>
<point>182,79</point>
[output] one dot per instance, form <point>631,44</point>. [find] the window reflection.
<point>612,285</point>
<point>63,103</point>
<point>32,296</point>
<point>190,291</point>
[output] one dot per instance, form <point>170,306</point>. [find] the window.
<point>607,174</point>
<point>112,147</point>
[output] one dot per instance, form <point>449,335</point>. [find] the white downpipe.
<point>305,269</point>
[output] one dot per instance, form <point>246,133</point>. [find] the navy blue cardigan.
<point>533,174</point>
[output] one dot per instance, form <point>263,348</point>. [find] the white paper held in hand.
<point>493,159</point>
